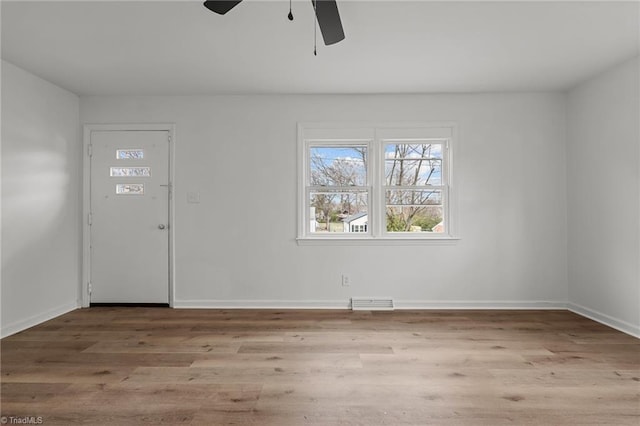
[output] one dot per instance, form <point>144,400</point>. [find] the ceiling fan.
<point>326,14</point>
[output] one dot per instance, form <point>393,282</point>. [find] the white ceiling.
<point>157,48</point>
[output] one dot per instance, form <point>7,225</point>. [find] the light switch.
<point>193,197</point>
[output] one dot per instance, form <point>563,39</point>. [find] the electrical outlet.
<point>346,280</point>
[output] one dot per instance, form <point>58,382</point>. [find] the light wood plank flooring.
<point>122,366</point>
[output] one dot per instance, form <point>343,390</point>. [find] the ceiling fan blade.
<point>221,6</point>
<point>329,21</point>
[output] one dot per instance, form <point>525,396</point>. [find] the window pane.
<point>130,189</point>
<point>335,211</point>
<point>413,172</point>
<point>129,154</point>
<point>413,150</point>
<point>414,219</point>
<point>338,166</point>
<point>130,171</point>
<point>413,164</point>
<point>413,197</point>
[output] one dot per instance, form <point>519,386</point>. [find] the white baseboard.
<point>346,304</point>
<point>480,304</point>
<point>605,319</point>
<point>262,304</point>
<point>23,324</point>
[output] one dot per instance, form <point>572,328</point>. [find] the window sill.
<point>378,241</point>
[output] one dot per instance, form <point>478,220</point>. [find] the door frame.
<point>86,200</point>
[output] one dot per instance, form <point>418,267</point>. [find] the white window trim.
<point>374,135</point>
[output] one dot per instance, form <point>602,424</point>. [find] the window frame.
<point>443,187</point>
<point>308,189</point>
<point>376,136</point>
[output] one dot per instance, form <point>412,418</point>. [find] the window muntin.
<point>406,179</point>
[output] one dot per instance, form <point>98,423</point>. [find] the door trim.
<point>86,199</point>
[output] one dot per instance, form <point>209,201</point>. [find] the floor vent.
<point>371,304</point>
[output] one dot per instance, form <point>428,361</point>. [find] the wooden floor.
<point>120,366</point>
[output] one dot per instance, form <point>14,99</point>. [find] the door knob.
<point>161,226</point>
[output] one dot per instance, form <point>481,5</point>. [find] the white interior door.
<point>129,242</point>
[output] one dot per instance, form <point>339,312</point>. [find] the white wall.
<point>237,247</point>
<point>41,154</point>
<point>603,186</point>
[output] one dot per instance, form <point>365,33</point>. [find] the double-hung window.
<point>338,186</point>
<point>380,182</point>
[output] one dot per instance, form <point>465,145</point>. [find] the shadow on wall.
<point>35,193</point>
